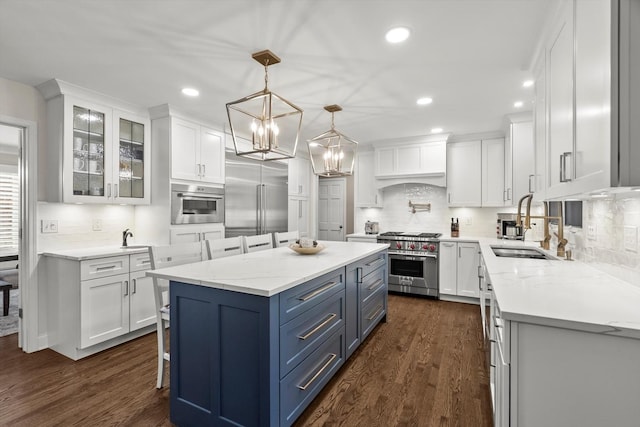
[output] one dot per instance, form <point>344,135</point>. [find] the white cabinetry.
<point>458,263</point>
<point>95,151</point>
<point>589,127</point>
<point>197,152</point>
<point>195,233</point>
<point>519,161</point>
<point>464,173</point>
<point>417,159</point>
<point>301,187</point>
<point>475,173</point>
<point>98,303</point>
<point>366,193</point>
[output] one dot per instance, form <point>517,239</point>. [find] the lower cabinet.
<point>299,215</point>
<point>95,301</point>
<point>272,355</point>
<point>195,233</point>
<point>458,265</point>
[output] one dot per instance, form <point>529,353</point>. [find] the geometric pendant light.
<point>264,126</point>
<point>332,153</point>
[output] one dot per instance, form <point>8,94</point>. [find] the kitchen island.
<point>255,337</point>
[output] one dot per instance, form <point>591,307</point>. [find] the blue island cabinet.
<point>239,359</point>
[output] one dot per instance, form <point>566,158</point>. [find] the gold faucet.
<point>562,242</point>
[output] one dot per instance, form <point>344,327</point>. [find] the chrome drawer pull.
<point>378,311</point>
<point>377,262</point>
<point>317,374</point>
<point>146,261</point>
<point>318,327</point>
<point>375,284</point>
<point>317,291</point>
<point>110,267</point>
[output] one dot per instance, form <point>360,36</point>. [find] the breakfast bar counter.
<point>255,337</point>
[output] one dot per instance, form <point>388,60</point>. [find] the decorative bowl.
<point>306,251</point>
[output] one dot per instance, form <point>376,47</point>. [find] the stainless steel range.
<point>413,262</point>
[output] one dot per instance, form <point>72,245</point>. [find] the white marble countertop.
<point>268,272</point>
<point>93,253</point>
<point>569,294</point>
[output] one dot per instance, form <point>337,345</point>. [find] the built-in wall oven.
<point>196,204</point>
<point>413,262</point>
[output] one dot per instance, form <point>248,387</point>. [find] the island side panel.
<point>222,340</point>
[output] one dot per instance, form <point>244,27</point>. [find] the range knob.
<point>412,246</point>
<point>425,247</point>
<point>432,248</point>
<point>399,245</point>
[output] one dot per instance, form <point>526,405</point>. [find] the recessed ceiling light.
<point>518,104</point>
<point>424,101</point>
<point>189,91</point>
<point>436,130</point>
<point>397,35</point>
<point>527,83</point>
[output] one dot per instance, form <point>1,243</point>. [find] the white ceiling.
<point>470,56</point>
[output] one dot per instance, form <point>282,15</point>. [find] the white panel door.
<point>104,309</point>
<point>464,173</point>
<point>211,156</point>
<point>331,209</point>
<point>448,259</point>
<point>493,172</point>
<point>185,146</point>
<point>468,262</point>
<point>142,306</point>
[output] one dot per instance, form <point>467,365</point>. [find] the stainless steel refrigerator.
<point>256,200</point>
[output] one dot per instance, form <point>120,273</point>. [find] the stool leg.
<point>5,307</point>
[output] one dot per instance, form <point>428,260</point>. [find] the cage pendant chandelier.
<point>332,153</point>
<point>263,125</point>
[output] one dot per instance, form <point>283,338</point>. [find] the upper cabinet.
<point>197,152</point>
<point>519,159</point>
<point>587,92</point>
<point>476,173</point>
<point>95,152</point>
<point>366,193</point>
<point>299,177</point>
<point>406,160</point>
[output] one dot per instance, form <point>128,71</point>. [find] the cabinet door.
<point>448,267</point>
<point>493,191</point>
<point>185,146</point>
<point>142,305</point>
<point>211,232</point>
<point>385,161</point>
<point>87,148</point>
<point>104,309</point>
<point>539,181</point>
<point>366,193</point>
<point>299,215</point>
<point>211,156</point>
<point>299,177</point>
<point>464,175</point>
<point>468,262</point>
<point>131,159</point>
<point>560,102</point>
<point>184,234</point>
<point>523,170</point>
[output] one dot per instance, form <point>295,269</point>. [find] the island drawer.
<point>104,267</point>
<point>370,264</point>
<point>371,284</point>
<point>297,300</point>
<point>303,334</point>
<point>372,312</point>
<point>302,384</point>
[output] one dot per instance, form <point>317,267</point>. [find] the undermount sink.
<point>135,247</point>
<point>520,252</point>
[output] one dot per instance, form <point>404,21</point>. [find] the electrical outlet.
<point>591,232</point>
<point>631,238</point>
<point>97,224</point>
<point>467,221</point>
<point>49,226</point>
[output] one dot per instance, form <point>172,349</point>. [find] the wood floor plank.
<point>424,367</point>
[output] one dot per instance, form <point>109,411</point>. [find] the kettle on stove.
<point>371,227</point>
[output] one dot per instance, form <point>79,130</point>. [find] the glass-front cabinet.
<point>109,149</point>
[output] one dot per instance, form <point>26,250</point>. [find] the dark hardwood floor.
<point>424,367</point>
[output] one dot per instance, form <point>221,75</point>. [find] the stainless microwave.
<point>196,204</point>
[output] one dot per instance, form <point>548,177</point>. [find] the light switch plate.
<point>467,221</point>
<point>97,224</point>
<point>630,238</point>
<point>591,232</point>
<point>49,226</point>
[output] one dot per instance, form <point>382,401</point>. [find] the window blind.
<point>9,209</point>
